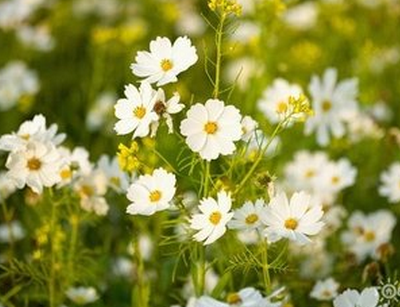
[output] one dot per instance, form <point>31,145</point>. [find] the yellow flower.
<point>127,157</point>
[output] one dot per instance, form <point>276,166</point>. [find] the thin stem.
<point>260,157</point>
<point>7,219</point>
<point>53,217</point>
<point>199,270</point>
<point>72,246</point>
<point>206,179</point>
<point>265,266</point>
<point>219,35</point>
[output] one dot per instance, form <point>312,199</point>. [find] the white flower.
<point>31,130</point>
<point>325,290</point>
<point>331,102</point>
<point>257,143</point>
<point>164,108</point>
<point>248,297</point>
<point>390,183</point>
<point>151,193</point>
<point>82,295</point>
<point>369,297</point>
<point>212,128</point>
<point>368,232</point>
<point>101,111</point>
<point>212,220</point>
<point>122,267</point>
<point>210,282</point>
<point>295,220</point>
<point>135,112</point>
<point>302,16</point>
<point>275,101</point>
<point>116,178</point>
<point>37,166</point>
<point>7,187</point>
<point>91,189</point>
<point>36,37</point>
<point>249,126</point>
<point>12,232</point>
<point>165,61</point>
<point>16,81</point>
<point>248,217</point>
<point>75,164</point>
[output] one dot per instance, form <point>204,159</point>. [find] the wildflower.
<point>325,290</point>
<point>82,295</point>
<point>331,102</point>
<point>164,108</point>
<point>100,112</point>
<point>127,157</point>
<point>151,193</point>
<point>31,130</point>
<point>390,183</point>
<point>116,179</point>
<point>367,233</point>
<point>249,126</point>
<point>37,166</point>
<point>212,128</point>
<point>369,297</point>
<point>248,217</point>
<point>295,219</point>
<point>7,187</point>
<point>212,220</point>
<point>164,61</point>
<point>135,112</point>
<point>226,6</point>
<point>257,143</point>
<point>275,101</point>
<point>12,232</point>
<point>302,16</point>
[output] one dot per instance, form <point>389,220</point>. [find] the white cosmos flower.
<point>135,112</point>
<point>31,130</point>
<point>211,222</point>
<point>212,128</point>
<point>248,217</point>
<point>7,187</point>
<point>325,290</point>
<point>164,109</point>
<point>331,102</point>
<point>12,232</point>
<point>165,60</point>
<point>151,193</point>
<point>369,297</point>
<point>116,178</point>
<point>248,297</point>
<point>275,101</point>
<point>37,165</point>
<point>390,183</point>
<point>82,295</point>
<point>249,126</point>
<point>295,219</point>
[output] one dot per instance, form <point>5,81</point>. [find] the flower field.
<point>200,153</point>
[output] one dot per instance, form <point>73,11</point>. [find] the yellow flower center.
<point>139,112</point>
<point>115,181</point>
<point>335,180</point>
<point>25,136</point>
<point>326,293</point>
<point>291,223</point>
<point>210,127</point>
<point>155,196</point>
<point>34,164</point>
<point>166,65</point>
<point>369,236</point>
<point>215,217</point>
<point>326,105</point>
<point>233,298</point>
<point>251,219</point>
<point>310,173</point>
<point>66,173</point>
<point>281,107</point>
<point>87,190</point>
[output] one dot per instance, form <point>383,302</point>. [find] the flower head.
<point>369,297</point>
<point>165,60</point>
<point>248,217</point>
<point>212,220</point>
<point>212,128</point>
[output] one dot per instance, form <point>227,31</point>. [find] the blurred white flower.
<point>151,193</point>
<point>82,295</point>
<point>248,297</point>
<point>249,125</point>
<point>116,178</point>
<point>101,111</point>
<point>302,16</point>
<point>295,219</point>
<point>240,71</point>
<point>7,187</point>
<point>361,126</point>
<point>248,217</point>
<point>274,103</point>
<point>123,267</point>
<point>135,112</point>
<point>75,163</point>
<point>325,290</point>
<point>36,37</point>
<point>390,183</point>
<point>211,222</point>
<point>16,81</point>
<point>211,129</point>
<point>367,233</point>
<point>165,60</point>
<point>37,165</point>
<point>331,102</point>
<point>189,21</point>
<point>13,232</point>
<point>245,32</point>
<point>369,297</point>
<point>257,143</point>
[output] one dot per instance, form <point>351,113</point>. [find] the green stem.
<point>219,35</point>
<point>206,179</point>
<point>72,246</point>
<point>7,219</point>
<point>265,267</point>
<point>53,217</point>
<point>199,270</point>
<point>260,157</point>
<point>140,293</point>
